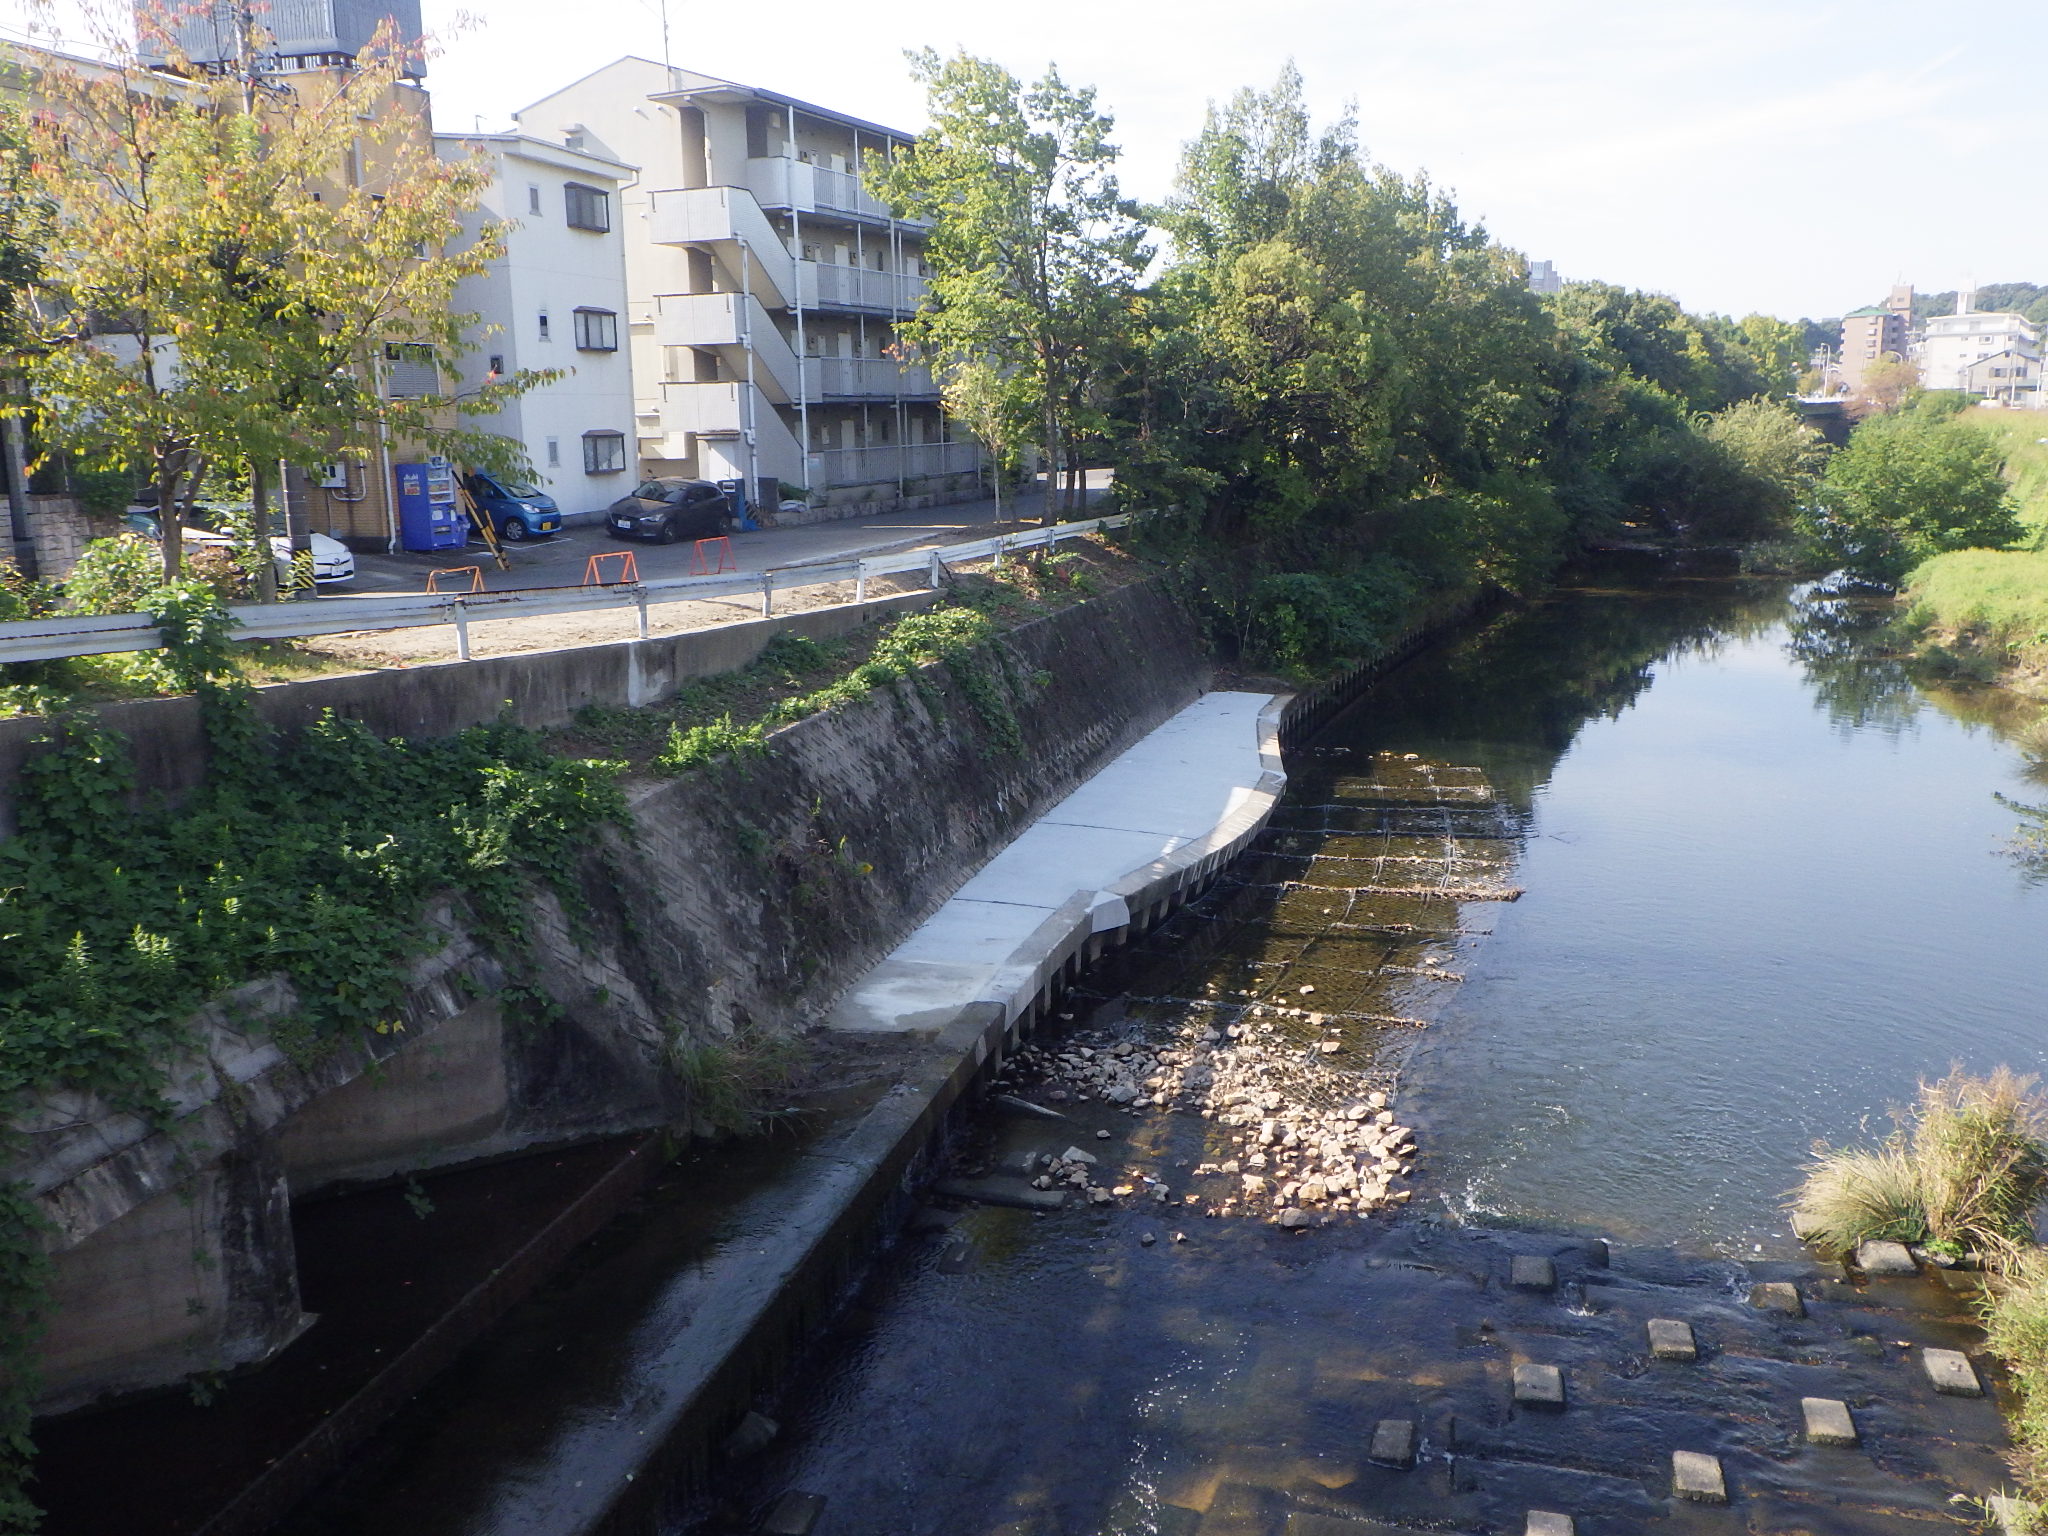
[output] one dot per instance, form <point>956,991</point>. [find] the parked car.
<point>666,510</point>
<point>518,512</point>
<point>333,564</point>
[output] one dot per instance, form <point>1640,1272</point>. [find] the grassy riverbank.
<point>1984,612</point>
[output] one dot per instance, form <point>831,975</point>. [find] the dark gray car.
<point>665,510</point>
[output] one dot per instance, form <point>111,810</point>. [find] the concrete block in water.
<point>754,1434</point>
<point>1827,1421</point>
<point>1001,1190</point>
<point>1393,1443</point>
<point>1547,1522</point>
<point>794,1514</point>
<point>1542,1385</point>
<point>1532,1272</point>
<point>1697,1476</point>
<point>1777,1296</point>
<point>1671,1339</point>
<point>1951,1372</point>
<point>1885,1258</point>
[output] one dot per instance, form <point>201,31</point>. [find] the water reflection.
<point>1766,892</point>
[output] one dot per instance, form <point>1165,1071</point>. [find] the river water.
<point>1765,889</point>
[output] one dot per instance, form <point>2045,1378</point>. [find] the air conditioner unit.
<point>334,477</point>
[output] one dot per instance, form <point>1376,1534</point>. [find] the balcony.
<point>781,182</point>
<point>828,378</point>
<point>900,461</point>
<point>827,285</point>
<point>688,412</point>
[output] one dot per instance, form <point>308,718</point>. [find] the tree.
<point>1033,249</point>
<point>24,230</point>
<point>1887,384</point>
<point>1908,487</point>
<point>229,269</point>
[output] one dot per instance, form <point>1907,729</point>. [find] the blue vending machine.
<point>428,517</point>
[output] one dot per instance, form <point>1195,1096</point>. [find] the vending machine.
<point>428,518</point>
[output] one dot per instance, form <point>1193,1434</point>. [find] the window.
<point>588,207</point>
<point>554,453</point>
<point>604,453</point>
<point>409,372</point>
<point>597,330</point>
<point>532,198</point>
<point>546,333</point>
<point>497,369</point>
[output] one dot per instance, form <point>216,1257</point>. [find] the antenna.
<point>665,64</point>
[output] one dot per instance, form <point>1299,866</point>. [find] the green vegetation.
<point>1963,1174</point>
<point>1910,486</point>
<point>1337,402</point>
<point>2022,440</point>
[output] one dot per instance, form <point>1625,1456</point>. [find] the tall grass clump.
<point>1963,1173</point>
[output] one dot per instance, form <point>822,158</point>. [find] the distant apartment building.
<point>555,300</point>
<point>304,34</point>
<point>1995,356</point>
<point>764,286</point>
<point>1876,333</point>
<point>1543,278</point>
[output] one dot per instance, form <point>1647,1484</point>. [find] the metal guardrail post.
<point>767,593</point>
<point>932,578</point>
<point>640,602</point>
<point>461,631</point>
<point>860,582</point>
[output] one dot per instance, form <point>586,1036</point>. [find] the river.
<point>1764,890</point>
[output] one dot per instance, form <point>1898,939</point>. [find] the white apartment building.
<point>557,299</point>
<point>764,285</point>
<point>1997,356</point>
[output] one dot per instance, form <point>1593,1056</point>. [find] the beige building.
<point>764,286</point>
<point>1875,334</point>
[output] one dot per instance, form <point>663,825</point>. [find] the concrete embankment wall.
<point>749,895</point>
<point>167,740</point>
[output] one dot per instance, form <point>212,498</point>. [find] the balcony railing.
<point>865,377</point>
<point>899,461</point>
<point>782,182</point>
<point>828,285</point>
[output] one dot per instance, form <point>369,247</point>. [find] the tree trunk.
<point>170,522</point>
<point>298,524</point>
<point>259,512</point>
<point>1052,463</point>
<point>17,492</point>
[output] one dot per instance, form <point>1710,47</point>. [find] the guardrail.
<point>55,639</point>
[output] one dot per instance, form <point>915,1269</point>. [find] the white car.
<point>333,563</point>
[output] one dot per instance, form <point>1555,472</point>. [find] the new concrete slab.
<point>1187,792</point>
<point>1951,1372</point>
<point>1393,1443</point>
<point>1827,1421</point>
<point>1671,1339</point>
<point>1697,1476</point>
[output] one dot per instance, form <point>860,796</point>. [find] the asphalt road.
<point>561,561</point>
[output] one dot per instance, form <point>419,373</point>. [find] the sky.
<point>1794,157</point>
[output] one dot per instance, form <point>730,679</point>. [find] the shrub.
<point>1853,1196</point>
<point>1964,1172</point>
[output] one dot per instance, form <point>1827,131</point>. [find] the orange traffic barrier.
<point>702,564</point>
<point>593,569</point>
<point>475,573</point>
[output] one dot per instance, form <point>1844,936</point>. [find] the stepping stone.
<point>1544,1522</point>
<point>794,1514</point>
<point>1885,1258</point>
<point>1393,1443</point>
<point>1671,1339</point>
<point>1540,1384</point>
<point>1697,1476</point>
<point>1532,1272</point>
<point>1777,1296</point>
<point>1951,1372</point>
<point>1827,1421</point>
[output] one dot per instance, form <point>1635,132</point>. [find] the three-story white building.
<point>1997,356</point>
<point>763,289</point>
<point>557,299</point>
